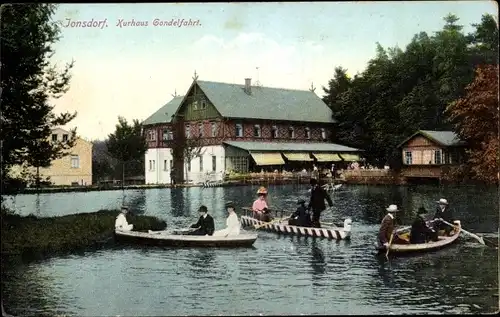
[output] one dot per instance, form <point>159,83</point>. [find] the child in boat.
<point>232,223</point>
<point>259,207</point>
<point>420,232</point>
<point>300,217</point>
<point>205,224</point>
<point>121,221</point>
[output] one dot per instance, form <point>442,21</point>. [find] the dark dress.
<point>317,203</point>
<point>446,215</point>
<point>420,232</point>
<point>206,226</point>
<point>303,217</point>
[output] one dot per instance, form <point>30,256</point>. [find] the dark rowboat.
<point>178,239</point>
<point>402,246</point>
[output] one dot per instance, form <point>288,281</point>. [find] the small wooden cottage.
<point>429,153</point>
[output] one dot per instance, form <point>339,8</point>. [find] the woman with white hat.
<point>443,212</point>
<point>387,226</point>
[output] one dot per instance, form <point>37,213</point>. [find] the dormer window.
<point>256,131</point>
<point>291,133</point>
<point>308,133</point>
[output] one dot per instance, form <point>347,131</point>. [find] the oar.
<point>478,238</point>
<point>389,246</point>
<point>268,223</point>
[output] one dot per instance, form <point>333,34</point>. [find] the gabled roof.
<point>164,114</point>
<point>266,103</point>
<point>291,146</point>
<point>444,138</point>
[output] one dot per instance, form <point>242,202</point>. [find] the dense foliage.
<point>127,145</point>
<point>476,120</point>
<point>402,91</point>
<point>28,84</point>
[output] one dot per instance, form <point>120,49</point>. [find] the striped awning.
<point>302,157</point>
<point>350,157</point>
<point>327,157</point>
<point>267,158</point>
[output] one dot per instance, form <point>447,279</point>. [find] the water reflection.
<point>178,206</point>
<point>318,263</point>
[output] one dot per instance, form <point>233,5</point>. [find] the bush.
<point>31,236</point>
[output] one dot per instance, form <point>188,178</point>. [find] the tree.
<point>127,144</point>
<point>405,90</point>
<point>28,84</point>
<point>475,118</point>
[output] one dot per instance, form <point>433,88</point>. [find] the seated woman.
<point>259,207</point>
<point>300,217</point>
<point>420,232</point>
<point>232,223</point>
<point>121,221</point>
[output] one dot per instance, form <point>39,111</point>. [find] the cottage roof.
<point>444,138</point>
<point>232,101</point>
<point>164,114</point>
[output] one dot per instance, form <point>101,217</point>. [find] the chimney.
<point>248,86</point>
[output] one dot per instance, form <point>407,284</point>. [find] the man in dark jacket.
<point>300,217</point>
<point>317,202</point>
<point>205,225</point>
<point>443,212</point>
<point>420,232</point>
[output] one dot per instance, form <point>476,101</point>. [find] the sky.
<point>131,71</point>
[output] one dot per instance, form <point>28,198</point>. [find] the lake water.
<point>280,275</point>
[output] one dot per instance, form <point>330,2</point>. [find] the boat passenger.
<point>317,202</point>
<point>420,232</point>
<point>387,226</point>
<point>121,221</point>
<point>259,207</point>
<point>300,217</point>
<point>443,212</point>
<point>205,224</point>
<point>232,223</point>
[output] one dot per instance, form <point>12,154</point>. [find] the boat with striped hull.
<point>337,233</point>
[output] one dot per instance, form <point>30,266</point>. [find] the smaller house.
<point>428,153</point>
<point>72,169</point>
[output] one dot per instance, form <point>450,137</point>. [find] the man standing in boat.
<point>317,202</point>
<point>443,212</point>
<point>205,224</point>
<point>387,227</point>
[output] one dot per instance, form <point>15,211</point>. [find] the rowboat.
<point>402,246</point>
<point>330,231</point>
<point>179,238</point>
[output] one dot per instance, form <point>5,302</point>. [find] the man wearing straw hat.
<point>443,212</point>
<point>387,226</point>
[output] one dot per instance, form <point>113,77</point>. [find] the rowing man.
<point>387,226</point>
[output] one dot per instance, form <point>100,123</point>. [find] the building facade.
<point>430,153</point>
<point>72,169</point>
<point>225,127</point>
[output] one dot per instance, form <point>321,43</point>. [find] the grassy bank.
<point>31,237</point>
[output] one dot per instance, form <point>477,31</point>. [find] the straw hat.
<point>392,208</point>
<point>262,190</point>
<point>442,201</point>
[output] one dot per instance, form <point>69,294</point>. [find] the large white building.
<point>240,127</point>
